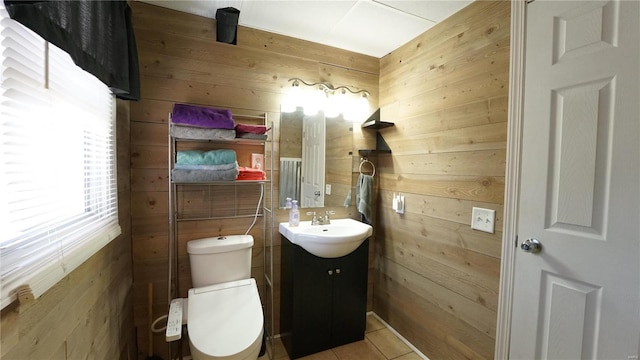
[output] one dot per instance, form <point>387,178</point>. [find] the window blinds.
<point>58,194</point>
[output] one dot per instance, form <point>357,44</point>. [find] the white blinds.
<point>58,194</point>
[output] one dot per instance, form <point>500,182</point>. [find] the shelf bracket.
<point>374,123</point>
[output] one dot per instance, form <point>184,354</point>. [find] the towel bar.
<point>364,161</point>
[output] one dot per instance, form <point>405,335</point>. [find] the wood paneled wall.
<point>446,91</point>
<point>89,313</point>
<point>180,61</point>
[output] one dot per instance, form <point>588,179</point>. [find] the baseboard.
<point>409,344</point>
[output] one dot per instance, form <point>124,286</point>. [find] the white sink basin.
<point>337,239</point>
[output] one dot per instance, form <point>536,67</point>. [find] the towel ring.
<point>373,167</point>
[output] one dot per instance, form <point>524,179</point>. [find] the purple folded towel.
<point>203,117</point>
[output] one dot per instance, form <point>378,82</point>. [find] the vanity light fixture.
<point>333,100</point>
<point>293,98</point>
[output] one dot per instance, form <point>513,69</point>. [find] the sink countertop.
<point>336,239</point>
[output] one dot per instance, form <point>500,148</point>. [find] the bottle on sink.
<point>294,214</point>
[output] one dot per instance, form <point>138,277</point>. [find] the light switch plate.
<point>397,203</point>
<point>483,219</point>
<point>400,205</point>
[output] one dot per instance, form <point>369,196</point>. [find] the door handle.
<point>531,246</point>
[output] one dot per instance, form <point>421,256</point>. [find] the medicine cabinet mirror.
<point>315,159</point>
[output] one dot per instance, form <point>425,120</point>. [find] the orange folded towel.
<point>247,173</point>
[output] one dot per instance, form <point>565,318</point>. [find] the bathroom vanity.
<point>323,300</point>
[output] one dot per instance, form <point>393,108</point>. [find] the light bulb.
<point>315,102</point>
<point>337,103</point>
<point>352,110</point>
<point>295,94</point>
<point>293,98</point>
<point>287,105</point>
<point>333,108</point>
<point>310,109</point>
<point>362,107</point>
<point>341,99</point>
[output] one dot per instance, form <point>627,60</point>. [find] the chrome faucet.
<point>314,218</point>
<point>324,220</point>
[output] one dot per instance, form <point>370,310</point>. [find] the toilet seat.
<point>225,321</point>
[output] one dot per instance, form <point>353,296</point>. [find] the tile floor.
<point>380,343</point>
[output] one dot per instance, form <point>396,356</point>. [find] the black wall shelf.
<point>374,123</point>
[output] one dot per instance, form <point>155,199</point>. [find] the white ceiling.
<point>370,27</point>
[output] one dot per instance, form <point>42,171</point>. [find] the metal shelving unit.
<point>196,201</point>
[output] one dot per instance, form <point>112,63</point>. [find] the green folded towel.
<point>364,195</point>
<point>211,157</point>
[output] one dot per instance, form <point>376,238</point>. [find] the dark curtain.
<point>97,34</point>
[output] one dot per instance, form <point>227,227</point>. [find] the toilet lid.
<point>225,319</point>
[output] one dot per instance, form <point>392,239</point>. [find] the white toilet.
<point>224,316</point>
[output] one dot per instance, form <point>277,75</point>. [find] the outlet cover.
<point>257,161</point>
<point>483,219</point>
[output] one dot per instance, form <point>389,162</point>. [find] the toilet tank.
<point>220,259</point>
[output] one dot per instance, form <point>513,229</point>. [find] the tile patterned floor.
<point>380,343</point>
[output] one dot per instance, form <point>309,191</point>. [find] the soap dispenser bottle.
<point>294,214</point>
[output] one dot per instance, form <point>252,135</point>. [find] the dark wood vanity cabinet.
<point>323,301</point>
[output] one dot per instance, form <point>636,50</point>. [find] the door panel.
<point>350,296</point>
<point>580,122</point>
<point>313,166</point>
<point>579,297</point>
<point>569,322</point>
<point>312,290</point>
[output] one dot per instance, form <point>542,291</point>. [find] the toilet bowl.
<point>225,321</point>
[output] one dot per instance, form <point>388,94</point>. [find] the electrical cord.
<point>255,218</point>
<point>156,321</point>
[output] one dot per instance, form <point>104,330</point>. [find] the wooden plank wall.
<point>89,313</point>
<point>446,91</point>
<point>180,61</point>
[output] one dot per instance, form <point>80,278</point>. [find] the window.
<point>58,194</point>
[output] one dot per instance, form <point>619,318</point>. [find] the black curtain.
<point>97,34</point>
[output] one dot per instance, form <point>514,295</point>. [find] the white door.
<point>579,297</point>
<point>313,150</point>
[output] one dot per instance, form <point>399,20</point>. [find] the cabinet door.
<point>350,296</point>
<point>312,303</point>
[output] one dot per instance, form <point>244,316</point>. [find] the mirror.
<point>317,173</point>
